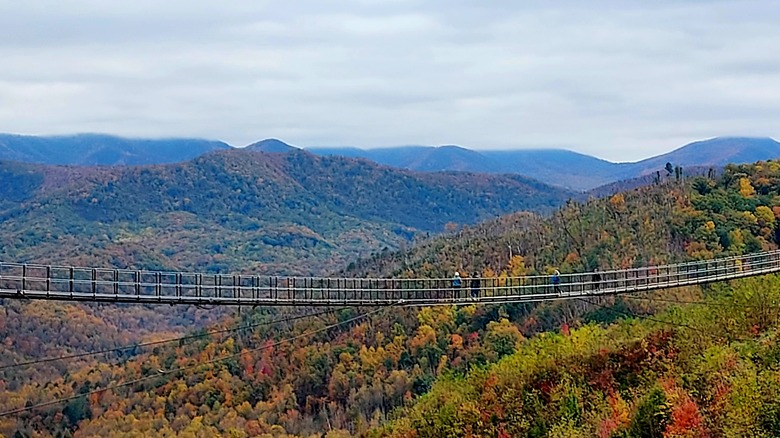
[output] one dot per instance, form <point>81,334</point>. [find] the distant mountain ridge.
<point>99,149</point>
<point>565,168</point>
<point>715,152</point>
<point>557,167</point>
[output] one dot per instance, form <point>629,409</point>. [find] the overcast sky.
<point>617,79</point>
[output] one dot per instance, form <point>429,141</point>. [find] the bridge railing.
<point>61,282</point>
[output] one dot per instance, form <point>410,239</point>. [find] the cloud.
<point>621,80</point>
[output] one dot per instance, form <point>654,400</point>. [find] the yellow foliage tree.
<point>765,216</point>
<point>517,266</point>
<point>745,188</point>
<point>618,202</point>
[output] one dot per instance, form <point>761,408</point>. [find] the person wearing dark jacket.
<point>474,286</point>
<point>596,279</point>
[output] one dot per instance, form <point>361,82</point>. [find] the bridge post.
<point>677,275</point>
<point>579,285</point>
<point>24,277</point>
<point>116,282</point>
<point>70,281</point>
<point>641,278</point>
<point>48,280</point>
<point>387,290</point>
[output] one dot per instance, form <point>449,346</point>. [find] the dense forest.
<point>706,366</point>
<point>237,210</point>
<point>702,364</point>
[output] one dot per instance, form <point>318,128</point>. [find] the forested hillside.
<point>706,366</point>
<point>241,211</point>
<point>586,378</point>
<point>672,220</point>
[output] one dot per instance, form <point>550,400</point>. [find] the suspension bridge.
<point>80,284</point>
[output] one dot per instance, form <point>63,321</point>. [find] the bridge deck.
<point>28,281</point>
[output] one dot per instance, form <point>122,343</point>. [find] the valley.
<point>386,372</point>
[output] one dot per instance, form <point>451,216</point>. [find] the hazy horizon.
<point>617,80</point>
<point>386,147</point>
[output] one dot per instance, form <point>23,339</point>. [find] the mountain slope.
<point>707,367</point>
<point>681,373</point>
<point>715,152</point>
<point>277,213</point>
<point>95,149</point>
<point>555,166</point>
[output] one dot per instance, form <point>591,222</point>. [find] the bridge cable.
<point>162,372</point>
<point>166,341</point>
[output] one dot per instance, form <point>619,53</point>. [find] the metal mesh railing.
<point>121,285</point>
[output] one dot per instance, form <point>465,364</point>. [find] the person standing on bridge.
<point>556,281</point>
<point>456,283</point>
<point>474,286</point>
<point>596,280</point>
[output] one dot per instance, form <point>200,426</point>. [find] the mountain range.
<point>277,213</point>
<point>105,150</point>
<point>565,168</point>
<point>558,167</point>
